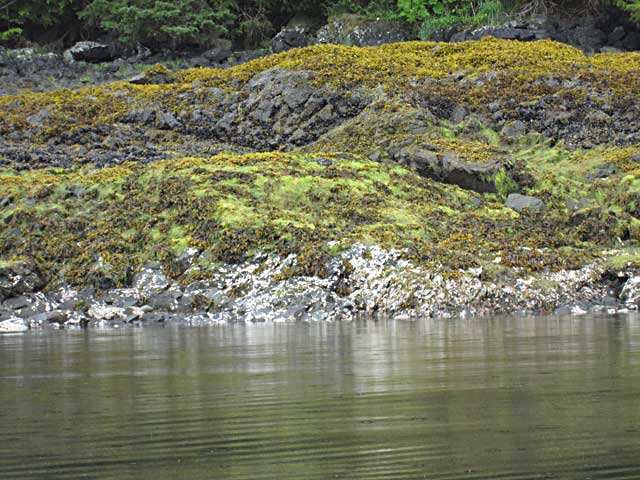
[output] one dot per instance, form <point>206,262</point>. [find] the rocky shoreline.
<point>363,281</point>
<point>326,183</point>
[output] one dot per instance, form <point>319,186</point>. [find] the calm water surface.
<point>460,399</point>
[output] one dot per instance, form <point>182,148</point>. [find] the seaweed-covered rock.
<point>450,168</point>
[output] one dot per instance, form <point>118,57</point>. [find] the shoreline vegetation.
<point>202,24</point>
<point>324,183</point>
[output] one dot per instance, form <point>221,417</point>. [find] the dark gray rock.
<point>289,38</point>
<point>524,203</point>
<point>217,55</point>
<point>90,52</point>
<point>616,35</point>
<point>632,41</point>
<point>361,32</point>
<point>167,121</point>
<point>19,278</point>
<point>38,119</point>
<point>449,168</point>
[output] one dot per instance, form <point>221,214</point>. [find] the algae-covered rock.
<point>256,180</point>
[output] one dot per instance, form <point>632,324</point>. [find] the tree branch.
<point>7,5</point>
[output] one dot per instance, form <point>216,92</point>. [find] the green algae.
<point>273,202</point>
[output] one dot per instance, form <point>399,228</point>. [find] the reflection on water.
<point>479,398</point>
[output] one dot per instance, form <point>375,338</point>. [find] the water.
<point>460,399</point>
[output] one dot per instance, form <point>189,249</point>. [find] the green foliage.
<point>412,10</point>
<point>505,184</point>
<point>11,35</point>
<point>489,12</point>
<point>631,6</point>
<point>161,22</point>
<point>15,16</point>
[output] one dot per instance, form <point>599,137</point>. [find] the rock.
<point>449,168</point>
<point>18,278</point>
<point>630,293</point>
<point>514,131</point>
<point>289,38</point>
<point>167,121</point>
<point>150,280</point>
<point>607,49</point>
<point>38,119</point>
<point>13,325</point>
<point>361,32</point>
<point>632,41</point>
<point>156,75</point>
<point>587,37</point>
<point>616,35</point>
<point>90,52</point>
<point>524,203</point>
<point>217,55</point>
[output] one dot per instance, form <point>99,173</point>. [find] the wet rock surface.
<point>363,281</point>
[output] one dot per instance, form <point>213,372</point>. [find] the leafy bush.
<point>17,15</point>
<point>488,12</point>
<point>172,23</point>
<point>631,6</point>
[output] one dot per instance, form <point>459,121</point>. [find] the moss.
<point>505,184</point>
<point>285,203</point>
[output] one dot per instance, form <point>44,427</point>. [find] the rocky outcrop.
<point>588,33</point>
<point>91,52</point>
<point>18,278</point>
<point>325,183</point>
<point>450,168</point>
<point>361,32</point>
<point>289,38</point>
<point>524,203</point>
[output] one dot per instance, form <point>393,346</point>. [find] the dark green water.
<point>511,398</point>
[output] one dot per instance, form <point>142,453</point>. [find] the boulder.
<point>450,168</point>
<point>632,41</point>
<point>18,278</point>
<point>524,203</point>
<point>158,74</point>
<point>217,55</point>
<point>13,325</point>
<point>289,38</point>
<point>361,32</point>
<point>150,280</point>
<point>630,293</point>
<point>90,52</point>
